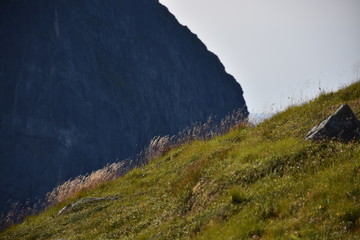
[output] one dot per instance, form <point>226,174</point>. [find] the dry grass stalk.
<point>82,182</point>
<point>159,145</point>
<point>19,211</point>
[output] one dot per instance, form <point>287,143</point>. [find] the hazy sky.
<point>280,51</point>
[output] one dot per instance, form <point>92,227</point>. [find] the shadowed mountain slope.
<point>84,83</point>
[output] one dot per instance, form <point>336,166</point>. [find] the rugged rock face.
<point>84,83</point>
<point>342,125</point>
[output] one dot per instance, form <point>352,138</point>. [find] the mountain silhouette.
<point>86,83</point>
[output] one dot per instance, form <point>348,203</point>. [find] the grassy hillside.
<point>263,182</point>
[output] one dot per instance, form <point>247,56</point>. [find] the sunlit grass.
<point>263,182</point>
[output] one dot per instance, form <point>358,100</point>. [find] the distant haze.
<point>280,51</point>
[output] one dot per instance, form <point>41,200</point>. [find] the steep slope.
<point>263,182</point>
<point>84,83</point>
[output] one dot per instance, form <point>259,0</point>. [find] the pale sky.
<point>280,51</point>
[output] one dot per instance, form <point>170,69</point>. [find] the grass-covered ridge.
<point>263,182</point>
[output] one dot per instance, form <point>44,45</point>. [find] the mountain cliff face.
<point>84,83</point>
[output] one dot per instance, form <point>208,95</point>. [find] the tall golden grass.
<point>83,182</point>
<point>157,146</point>
<point>199,131</point>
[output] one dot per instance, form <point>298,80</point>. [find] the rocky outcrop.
<point>69,207</point>
<point>84,83</point>
<point>342,125</point>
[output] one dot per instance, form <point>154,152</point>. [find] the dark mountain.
<point>84,83</point>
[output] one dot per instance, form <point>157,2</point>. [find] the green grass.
<point>263,182</point>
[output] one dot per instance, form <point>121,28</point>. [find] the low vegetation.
<point>158,146</point>
<point>262,182</point>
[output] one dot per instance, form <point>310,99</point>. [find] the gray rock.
<point>342,125</point>
<point>68,208</point>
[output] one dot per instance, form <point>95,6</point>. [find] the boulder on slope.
<point>342,125</point>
